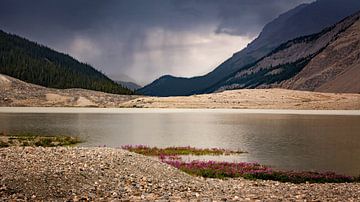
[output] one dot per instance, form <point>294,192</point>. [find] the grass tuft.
<point>3,144</point>
<point>26,139</point>
<point>172,151</point>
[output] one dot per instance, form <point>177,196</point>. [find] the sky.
<point>143,39</point>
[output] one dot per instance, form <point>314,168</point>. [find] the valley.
<point>253,101</point>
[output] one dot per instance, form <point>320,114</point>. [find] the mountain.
<point>303,20</point>
<point>129,85</point>
<point>125,81</point>
<point>37,64</point>
<point>328,61</point>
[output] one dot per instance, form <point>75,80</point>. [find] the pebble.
<point>57,174</point>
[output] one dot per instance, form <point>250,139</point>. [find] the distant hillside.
<point>130,85</point>
<point>328,61</point>
<point>37,64</point>
<point>303,20</point>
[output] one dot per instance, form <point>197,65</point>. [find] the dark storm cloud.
<point>142,38</point>
<point>250,16</point>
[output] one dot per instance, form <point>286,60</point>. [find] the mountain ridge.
<point>334,10</point>
<point>271,71</point>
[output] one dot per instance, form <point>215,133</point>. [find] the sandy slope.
<point>14,92</point>
<point>254,99</point>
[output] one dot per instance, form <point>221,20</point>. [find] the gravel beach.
<point>75,173</point>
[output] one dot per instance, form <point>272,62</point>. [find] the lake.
<point>286,139</point>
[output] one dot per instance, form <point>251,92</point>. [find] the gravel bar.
<point>109,174</point>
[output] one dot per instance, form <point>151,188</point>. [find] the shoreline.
<point>89,110</point>
<point>75,173</point>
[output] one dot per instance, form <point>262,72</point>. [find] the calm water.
<point>299,142</point>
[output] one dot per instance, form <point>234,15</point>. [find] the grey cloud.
<point>113,35</point>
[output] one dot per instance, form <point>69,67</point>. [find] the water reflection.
<point>300,142</point>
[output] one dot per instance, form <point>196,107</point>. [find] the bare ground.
<point>254,99</point>
<point>16,93</point>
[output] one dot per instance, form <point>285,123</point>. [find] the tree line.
<point>37,64</point>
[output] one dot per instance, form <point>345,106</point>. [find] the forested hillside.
<point>37,64</point>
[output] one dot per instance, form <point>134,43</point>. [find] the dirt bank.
<point>254,99</point>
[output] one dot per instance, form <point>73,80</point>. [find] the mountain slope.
<point>321,62</point>
<point>129,85</point>
<point>34,63</point>
<point>335,69</point>
<point>302,20</point>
